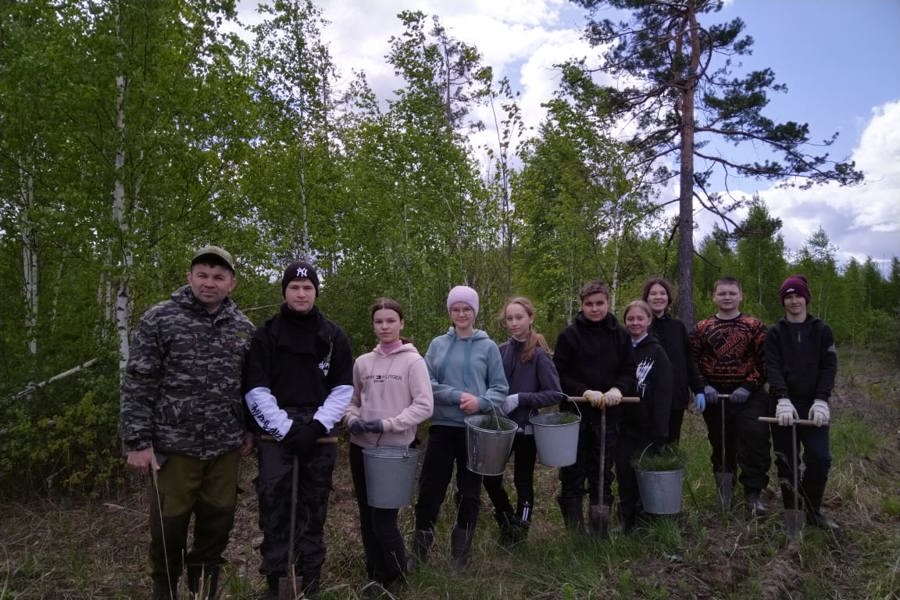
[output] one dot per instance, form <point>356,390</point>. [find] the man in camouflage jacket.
<point>182,420</point>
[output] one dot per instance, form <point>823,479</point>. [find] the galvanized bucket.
<point>661,491</point>
<point>390,475</point>
<point>489,440</point>
<point>557,441</point>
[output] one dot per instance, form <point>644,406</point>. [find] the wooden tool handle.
<point>628,399</point>
<point>796,421</point>
<point>332,439</point>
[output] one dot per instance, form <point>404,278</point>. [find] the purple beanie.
<point>464,294</point>
<point>795,284</point>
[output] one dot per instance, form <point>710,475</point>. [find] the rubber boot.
<point>203,581</point>
<point>163,591</point>
<point>754,505</point>
<point>813,491</point>
<point>523,514</point>
<point>572,508</point>
<point>460,545</point>
<point>510,528</point>
<point>787,496</point>
<point>272,580</point>
<point>423,540</point>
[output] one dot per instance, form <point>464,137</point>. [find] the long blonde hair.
<point>535,339</point>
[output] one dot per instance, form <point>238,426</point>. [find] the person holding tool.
<point>391,398</point>
<point>728,350</point>
<point>801,364</point>
<point>298,381</point>
<point>182,421</point>
<point>595,360</point>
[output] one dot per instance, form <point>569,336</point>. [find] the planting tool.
<point>724,477</point>
<point>162,524</point>
<point>290,585</point>
<point>599,512</point>
<point>625,399</point>
<point>794,518</point>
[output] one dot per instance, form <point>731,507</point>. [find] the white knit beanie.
<point>464,294</point>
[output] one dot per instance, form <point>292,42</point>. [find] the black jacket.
<point>300,358</point>
<point>650,418</point>
<point>594,356</point>
<point>801,361</point>
<point>673,336</point>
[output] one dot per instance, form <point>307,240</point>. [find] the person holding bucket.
<point>801,362</point>
<point>391,397</point>
<point>728,350</point>
<point>533,383</point>
<point>595,360</point>
<point>673,336</point>
<point>643,427</point>
<point>467,378</point>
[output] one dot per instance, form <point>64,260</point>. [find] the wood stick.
<point>628,399</point>
<point>322,440</point>
<point>796,421</point>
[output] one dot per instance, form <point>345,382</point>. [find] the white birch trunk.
<point>120,218</point>
<point>29,260</point>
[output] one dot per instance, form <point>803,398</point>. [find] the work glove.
<point>376,426</point>
<point>819,413</point>
<point>740,395</point>
<point>711,395</point>
<point>357,426</point>
<point>786,413</point>
<point>510,404</point>
<point>300,439</point>
<point>699,403</point>
<point>594,397</point>
<point>613,396</point>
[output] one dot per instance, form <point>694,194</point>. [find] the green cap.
<point>221,256</point>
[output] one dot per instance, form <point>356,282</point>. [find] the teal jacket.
<point>458,365</point>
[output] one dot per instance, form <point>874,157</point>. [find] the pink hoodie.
<point>395,388</point>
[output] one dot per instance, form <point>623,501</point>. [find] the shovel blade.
<point>793,523</point>
<point>725,489</point>
<point>599,520</point>
<point>290,588</point>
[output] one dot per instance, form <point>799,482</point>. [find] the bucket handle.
<point>641,457</point>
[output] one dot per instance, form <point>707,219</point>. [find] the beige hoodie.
<point>392,387</point>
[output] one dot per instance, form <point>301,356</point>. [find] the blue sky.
<point>839,59</point>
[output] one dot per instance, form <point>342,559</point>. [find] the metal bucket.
<point>390,475</point>
<point>660,491</point>
<point>489,440</point>
<point>557,442</point>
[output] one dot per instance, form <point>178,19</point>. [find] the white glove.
<point>510,404</point>
<point>612,397</point>
<point>786,413</point>
<point>819,413</point>
<point>594,397</point>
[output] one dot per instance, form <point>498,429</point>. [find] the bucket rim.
<point>538,423</point>
<point>510,426</point>
<point>681,470</point>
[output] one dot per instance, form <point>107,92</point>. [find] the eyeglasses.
<point>461,311</point>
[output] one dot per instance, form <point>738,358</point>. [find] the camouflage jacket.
<point>181,390</point>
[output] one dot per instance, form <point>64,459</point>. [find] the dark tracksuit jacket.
<point>801,365</point>
<point>673,336</point>
<point>593,356</point>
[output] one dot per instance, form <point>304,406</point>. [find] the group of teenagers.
<point>203,386</point>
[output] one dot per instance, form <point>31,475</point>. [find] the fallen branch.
<point>32,387</point>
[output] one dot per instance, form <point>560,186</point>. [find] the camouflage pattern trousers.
<point>273,488</point>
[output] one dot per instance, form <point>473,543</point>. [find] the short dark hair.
<point>660,282</point>
<point>727,280</point>
<point>594,286</point>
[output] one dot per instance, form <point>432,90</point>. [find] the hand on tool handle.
<point>603,403</point>
<point>594,398</point>
<point>819,413</point>
<point>613,396</point>
<point>711,394</point>
<point>785,413</point>
<point>699,403</point>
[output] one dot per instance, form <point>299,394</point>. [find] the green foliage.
<point>671,458</point>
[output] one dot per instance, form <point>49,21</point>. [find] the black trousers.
<point>584,476</point>
<point>273,488</point>
<point>816,458</point>
<point>630,442</point>
<point>381,537</point>
<point>525,454</point>
<point>746,439</point>
<point>446,448</point>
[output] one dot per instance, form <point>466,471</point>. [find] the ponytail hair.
<point>534,339</point>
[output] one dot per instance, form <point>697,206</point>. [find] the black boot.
<point>523,514</point>
<point>572,508</point>
<point>162,590</point>
<point>203,581</point>
<point>813,491</point>
<point>754,504</point>
<point>788,497</point>
<point>423,539</point>
<point>511,530</point>
<point>272,580</point>
<point>460,544</point>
